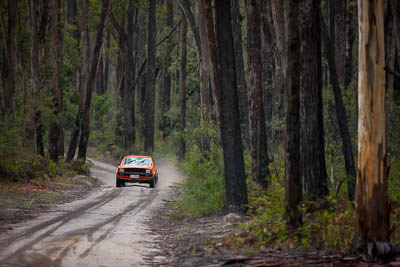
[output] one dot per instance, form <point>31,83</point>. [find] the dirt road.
<point>109,228</point>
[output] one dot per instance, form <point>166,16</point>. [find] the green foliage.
<point>326,223</point>
<point>102,121</point>
<point>394,182</point>
<point>203,190</point>
<point>329,225</point>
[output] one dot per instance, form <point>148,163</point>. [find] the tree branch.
<point>117,27</point>
<point>392,72</point>
<point>169,34</point>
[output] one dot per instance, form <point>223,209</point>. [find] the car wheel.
<point>119,183</point>
<point>152,183</point>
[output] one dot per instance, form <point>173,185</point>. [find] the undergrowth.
<point>327,223</point>
<point>203,189</point>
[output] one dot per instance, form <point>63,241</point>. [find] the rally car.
<point>136,169</point>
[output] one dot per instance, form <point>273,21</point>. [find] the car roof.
<point>142,156</point>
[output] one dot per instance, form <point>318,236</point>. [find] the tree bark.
<point>166,91</point>
<point>11,77</point>
<point>396,21</point>
<point>185,7</point>
<point>107,62</point>
<point>341,117</point>
<point>270,97</point>
<point>240,75</point>
<point>396,26</point>
<point>82,82</point>
<point>72,14</point>
<point>38,21</point>
<point>292,114</point>
<point>388,26</point>
<point>396,82</point>
<point>182,142</point>
<point>205,102</point>
<point>312,154</point>
<point>340,38</point>
<point>90,85</point>
<point>130,77</point>
<point>280,55</point>
<point>56,89</point>
<point>257,131</point>
<point>372,206</point>
<point>150,80</point>
<point>350,37</point>
<point>203,58</point>
<point>223,77</point>
<point>281,34</point>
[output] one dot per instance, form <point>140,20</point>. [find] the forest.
<point>286,110</point>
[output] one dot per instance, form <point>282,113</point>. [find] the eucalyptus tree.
<point>371,200</point>
<point>150,79</point>
<point>225,90</point>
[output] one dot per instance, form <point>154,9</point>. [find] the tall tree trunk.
<point>107,62</point>
<point>239,64</point>
<point>85,123</point>
<point>60,93</point>
<point>280,34</point>
<point>339,40</point>
<point>341,117</point>
<point>396,26</point>
<point>72,14</point>
<point>292,114</point>
<point>185,7</point>
<point>203,58</point>
<point>258,139</point>
<point>56,90</point>
<point>11,80</point>
<point>396,20</point>
<point>166,91</point>
<point>150,80</point>
<point>100,76</point>
<point>82,82</point>
<point>372,206</point>
<point>351,36</point>
<point>204,74</point>
<point>130,75</point>
<point>312,154</point>
<point>280,56</point>
<point>38,21</point>
<point>388,26</point>
<point>182,142</point>
<point>267,57</point>
<point>396,82</point>
<point>225,92</point>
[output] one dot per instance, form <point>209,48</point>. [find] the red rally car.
<point>136,169</point>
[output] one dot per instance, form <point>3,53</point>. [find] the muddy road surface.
<point>108,228</point>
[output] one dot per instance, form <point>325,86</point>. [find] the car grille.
<point>135,170</point>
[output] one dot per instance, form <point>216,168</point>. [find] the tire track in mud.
<point>114,220</point>
<point>61,220</point>
<point>75,236</point>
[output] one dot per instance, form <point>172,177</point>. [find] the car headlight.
<point>147,171</point>
<point>121,170</point>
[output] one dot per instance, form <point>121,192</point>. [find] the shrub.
<point>203,190</point>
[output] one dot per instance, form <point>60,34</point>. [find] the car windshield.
<point>137,161</point>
